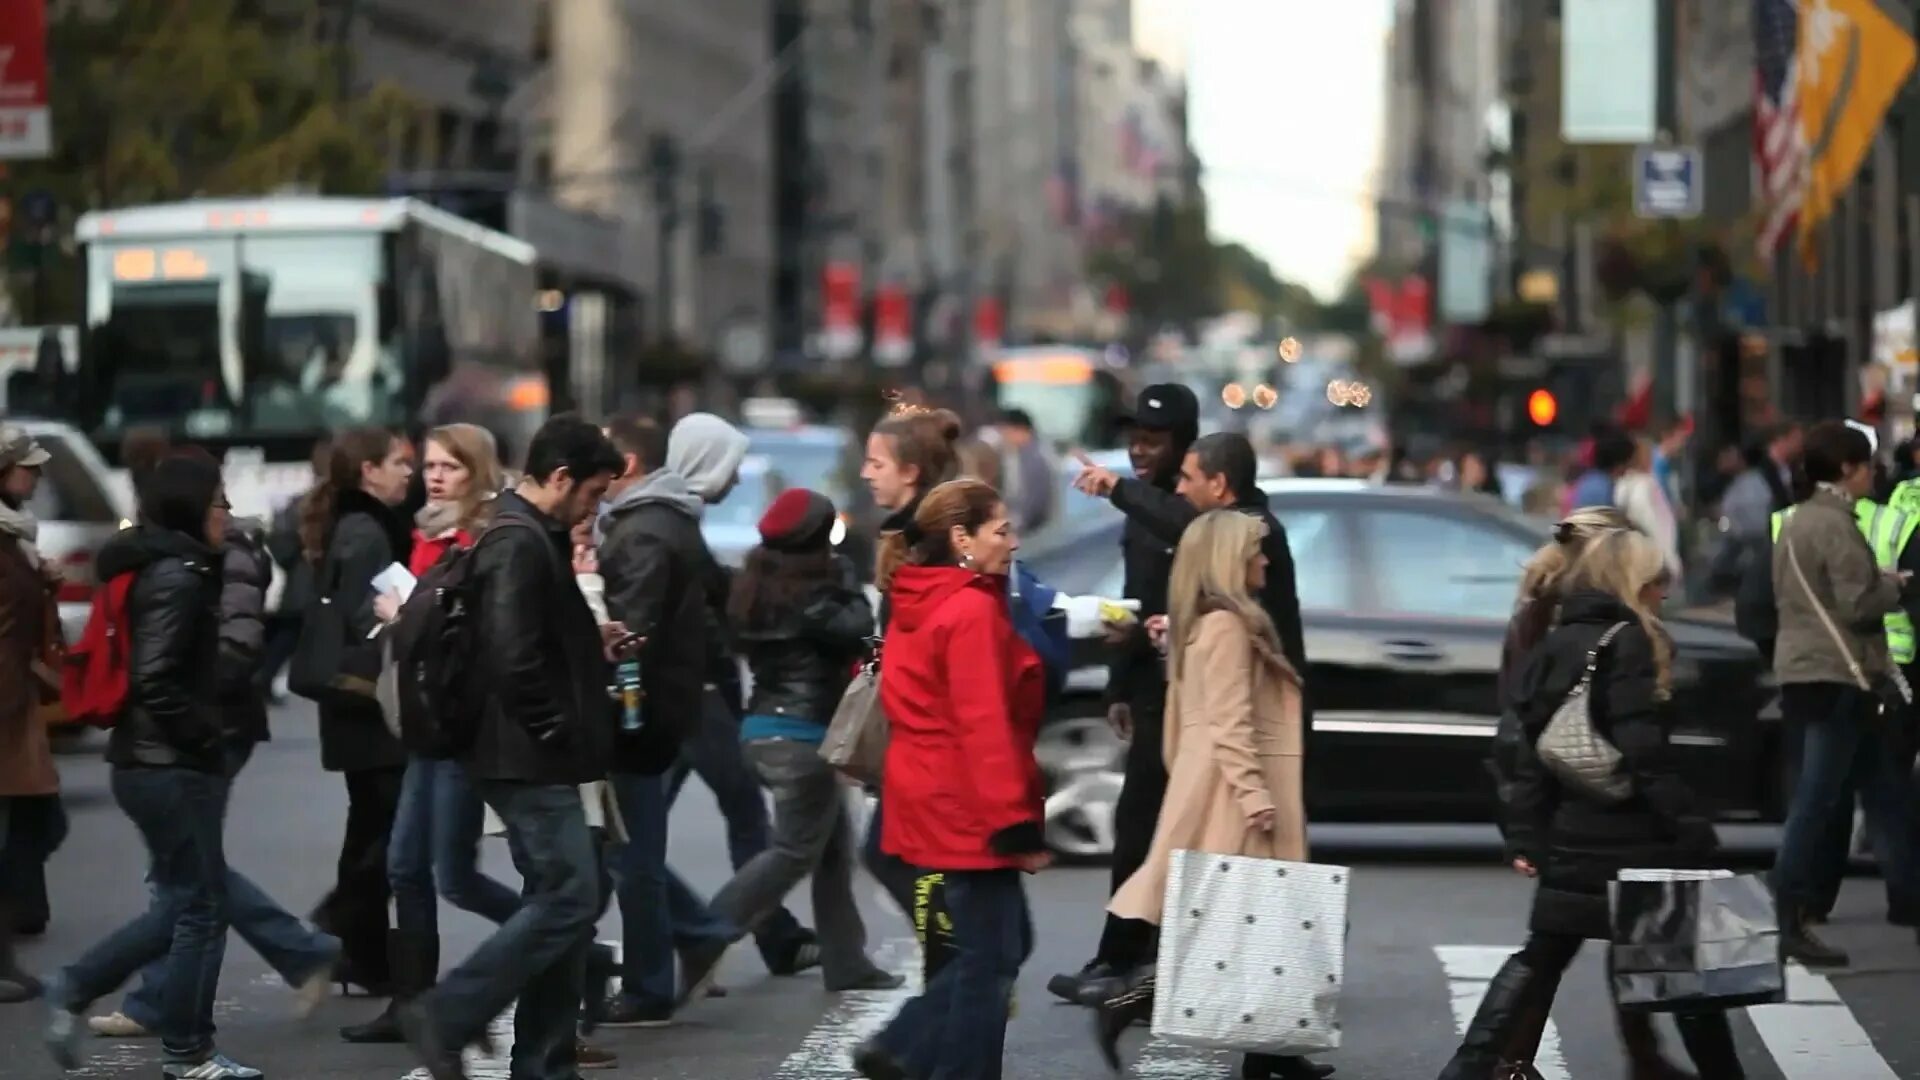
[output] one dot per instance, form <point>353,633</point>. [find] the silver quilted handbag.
<point>1572,749</point>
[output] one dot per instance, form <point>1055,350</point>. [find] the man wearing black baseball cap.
<point>1162,427</point>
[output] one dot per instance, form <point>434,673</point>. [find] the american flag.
<point>1779,143</point>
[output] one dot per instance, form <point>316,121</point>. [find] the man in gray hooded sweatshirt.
<point>663,582</point>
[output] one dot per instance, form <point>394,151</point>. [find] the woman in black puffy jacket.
<point>801,622</point>
<point>1574,843</point>
<point>169,758</point>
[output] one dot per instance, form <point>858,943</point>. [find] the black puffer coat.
<point>171,718</point>
<point>801,658</point>
<point>246,569</point>
<point>1579,842</point>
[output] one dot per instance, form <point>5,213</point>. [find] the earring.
<point>966,560</point>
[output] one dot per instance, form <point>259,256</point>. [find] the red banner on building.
<point>26,128</point>
<point>892,326</point>
<point>840,310</point>
<point>989,324</point>
<point>1403,315</point>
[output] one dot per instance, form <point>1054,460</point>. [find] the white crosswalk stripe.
<point>824,1053</point>
<point>1814,1036</point>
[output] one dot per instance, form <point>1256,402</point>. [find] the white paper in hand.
<point>395,579</point>
<point>1084,616</point>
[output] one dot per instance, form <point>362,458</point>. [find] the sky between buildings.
<point>1285,110</point>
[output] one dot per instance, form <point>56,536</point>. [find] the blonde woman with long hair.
<point>1573,843</point>
<point>1233,741</point>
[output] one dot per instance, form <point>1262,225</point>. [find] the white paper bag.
<point>1252,954</point>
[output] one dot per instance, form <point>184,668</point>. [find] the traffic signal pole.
<point>1666,356</point>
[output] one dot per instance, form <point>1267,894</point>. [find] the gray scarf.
<point>22,526</point>
<point>437,519</point>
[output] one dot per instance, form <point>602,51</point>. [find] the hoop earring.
<point>966,560</point>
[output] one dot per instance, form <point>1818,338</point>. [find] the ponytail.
<point>894,547</point>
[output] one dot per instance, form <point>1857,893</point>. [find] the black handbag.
<point>317,670</point>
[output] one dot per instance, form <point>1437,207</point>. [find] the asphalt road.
<point>1432,914</point>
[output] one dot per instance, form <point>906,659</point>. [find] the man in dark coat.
<point>1218,472</point>
<point>546,727</point>
<point>1161,429</point>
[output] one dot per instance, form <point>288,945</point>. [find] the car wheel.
<point>1084,763</point>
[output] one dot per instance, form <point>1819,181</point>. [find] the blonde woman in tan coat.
<point>1233,743</point>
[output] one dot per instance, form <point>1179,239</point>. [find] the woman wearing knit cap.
<point>800,620</point>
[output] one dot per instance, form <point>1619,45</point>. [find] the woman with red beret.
<point>799,618</point>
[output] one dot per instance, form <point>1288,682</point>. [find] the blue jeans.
<point>436,840</point>
<point>180,814</point>
<point>539,956</point>
<point>957,1028</point>
<point>1847,748</point>
<point>714,754</point>
<point>295,952</point>
<point>658,910</point>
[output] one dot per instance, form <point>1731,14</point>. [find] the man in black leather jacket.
<point>546,728</point>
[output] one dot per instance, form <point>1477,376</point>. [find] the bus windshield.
<point>241,335</point>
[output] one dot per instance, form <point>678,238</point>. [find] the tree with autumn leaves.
<point>156,100</point>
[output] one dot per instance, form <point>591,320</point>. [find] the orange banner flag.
<point>1852,60</point>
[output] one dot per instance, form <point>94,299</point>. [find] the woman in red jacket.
<point>963,696</point>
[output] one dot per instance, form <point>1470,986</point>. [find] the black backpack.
<point>433,641</point>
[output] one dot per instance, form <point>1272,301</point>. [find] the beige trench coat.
<point>1233,748</point>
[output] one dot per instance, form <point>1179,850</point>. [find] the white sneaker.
<point>117,1026</point>
<point>309,994</point>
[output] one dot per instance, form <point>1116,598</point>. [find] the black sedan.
<point>1405,593</point>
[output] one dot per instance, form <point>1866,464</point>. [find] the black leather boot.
<point>1642,1046</point>
<point>15,984</point>
<point>1708,1038</point>
<point>1501,1026</point>
<point>415,960</point>
<point>1274,1067</point>
<point>1120,1012</point>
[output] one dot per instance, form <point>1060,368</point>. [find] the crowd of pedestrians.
<point>600,641</point>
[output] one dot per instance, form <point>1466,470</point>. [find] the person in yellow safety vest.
<point>1905,497</point>
<point>1887,531</point>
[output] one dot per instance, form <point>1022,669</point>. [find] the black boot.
<point>1708,1038</point>
<point>415,961</point>
<point>1642,1046</point>
<point>1120,1012</point>
<point>1072,988</point>
<point>1274,1067</point>
<point>1505,1018</point>
<point>15,985</point>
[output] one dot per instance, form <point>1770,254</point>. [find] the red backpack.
<point>93,688</point>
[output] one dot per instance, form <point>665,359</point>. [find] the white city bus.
<point>255,326</point>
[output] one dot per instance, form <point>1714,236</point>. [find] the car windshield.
<point>771,467</point>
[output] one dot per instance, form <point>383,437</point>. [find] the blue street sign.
<point>1668,182</point>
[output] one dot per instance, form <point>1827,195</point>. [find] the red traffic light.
<point>1542,409</point>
